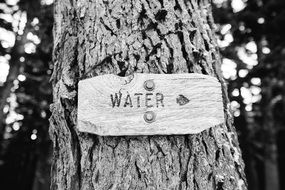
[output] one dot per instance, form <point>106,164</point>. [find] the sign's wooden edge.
<point>86,130</point>
<point>149,75</point>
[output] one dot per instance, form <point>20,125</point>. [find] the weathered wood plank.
<point>149,104</point>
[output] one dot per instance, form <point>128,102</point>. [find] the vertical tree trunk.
<point>122,37</point>
<point>5,90</point>
<point>270,141</point>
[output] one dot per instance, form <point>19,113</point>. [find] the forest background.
<point>251,40</point>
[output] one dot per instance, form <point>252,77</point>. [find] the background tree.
<point>100,37</point>
<point>252,44</point>
<point>25,94</point>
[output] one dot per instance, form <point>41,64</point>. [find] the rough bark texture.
<point>168,36</point>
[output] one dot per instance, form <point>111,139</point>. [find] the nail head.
<point>149,85</point>
<point>149,116</point>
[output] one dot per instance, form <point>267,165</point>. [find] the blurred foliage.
<point>252,40</point>
<point>26,94</point>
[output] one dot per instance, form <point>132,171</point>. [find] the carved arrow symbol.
<point>182,100</point>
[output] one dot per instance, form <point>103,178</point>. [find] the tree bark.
<point>97,37</point>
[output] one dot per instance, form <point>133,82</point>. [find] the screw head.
<point>149,85</point>
<point>149,116</point>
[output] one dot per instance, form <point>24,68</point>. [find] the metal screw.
<point>149,116</point>
<point>149,85</point>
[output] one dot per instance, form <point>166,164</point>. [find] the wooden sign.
<point>149,104</point>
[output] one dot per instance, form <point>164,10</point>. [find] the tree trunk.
<point>5,90</point>
<point>270,141</point>
<point>97,37</point>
